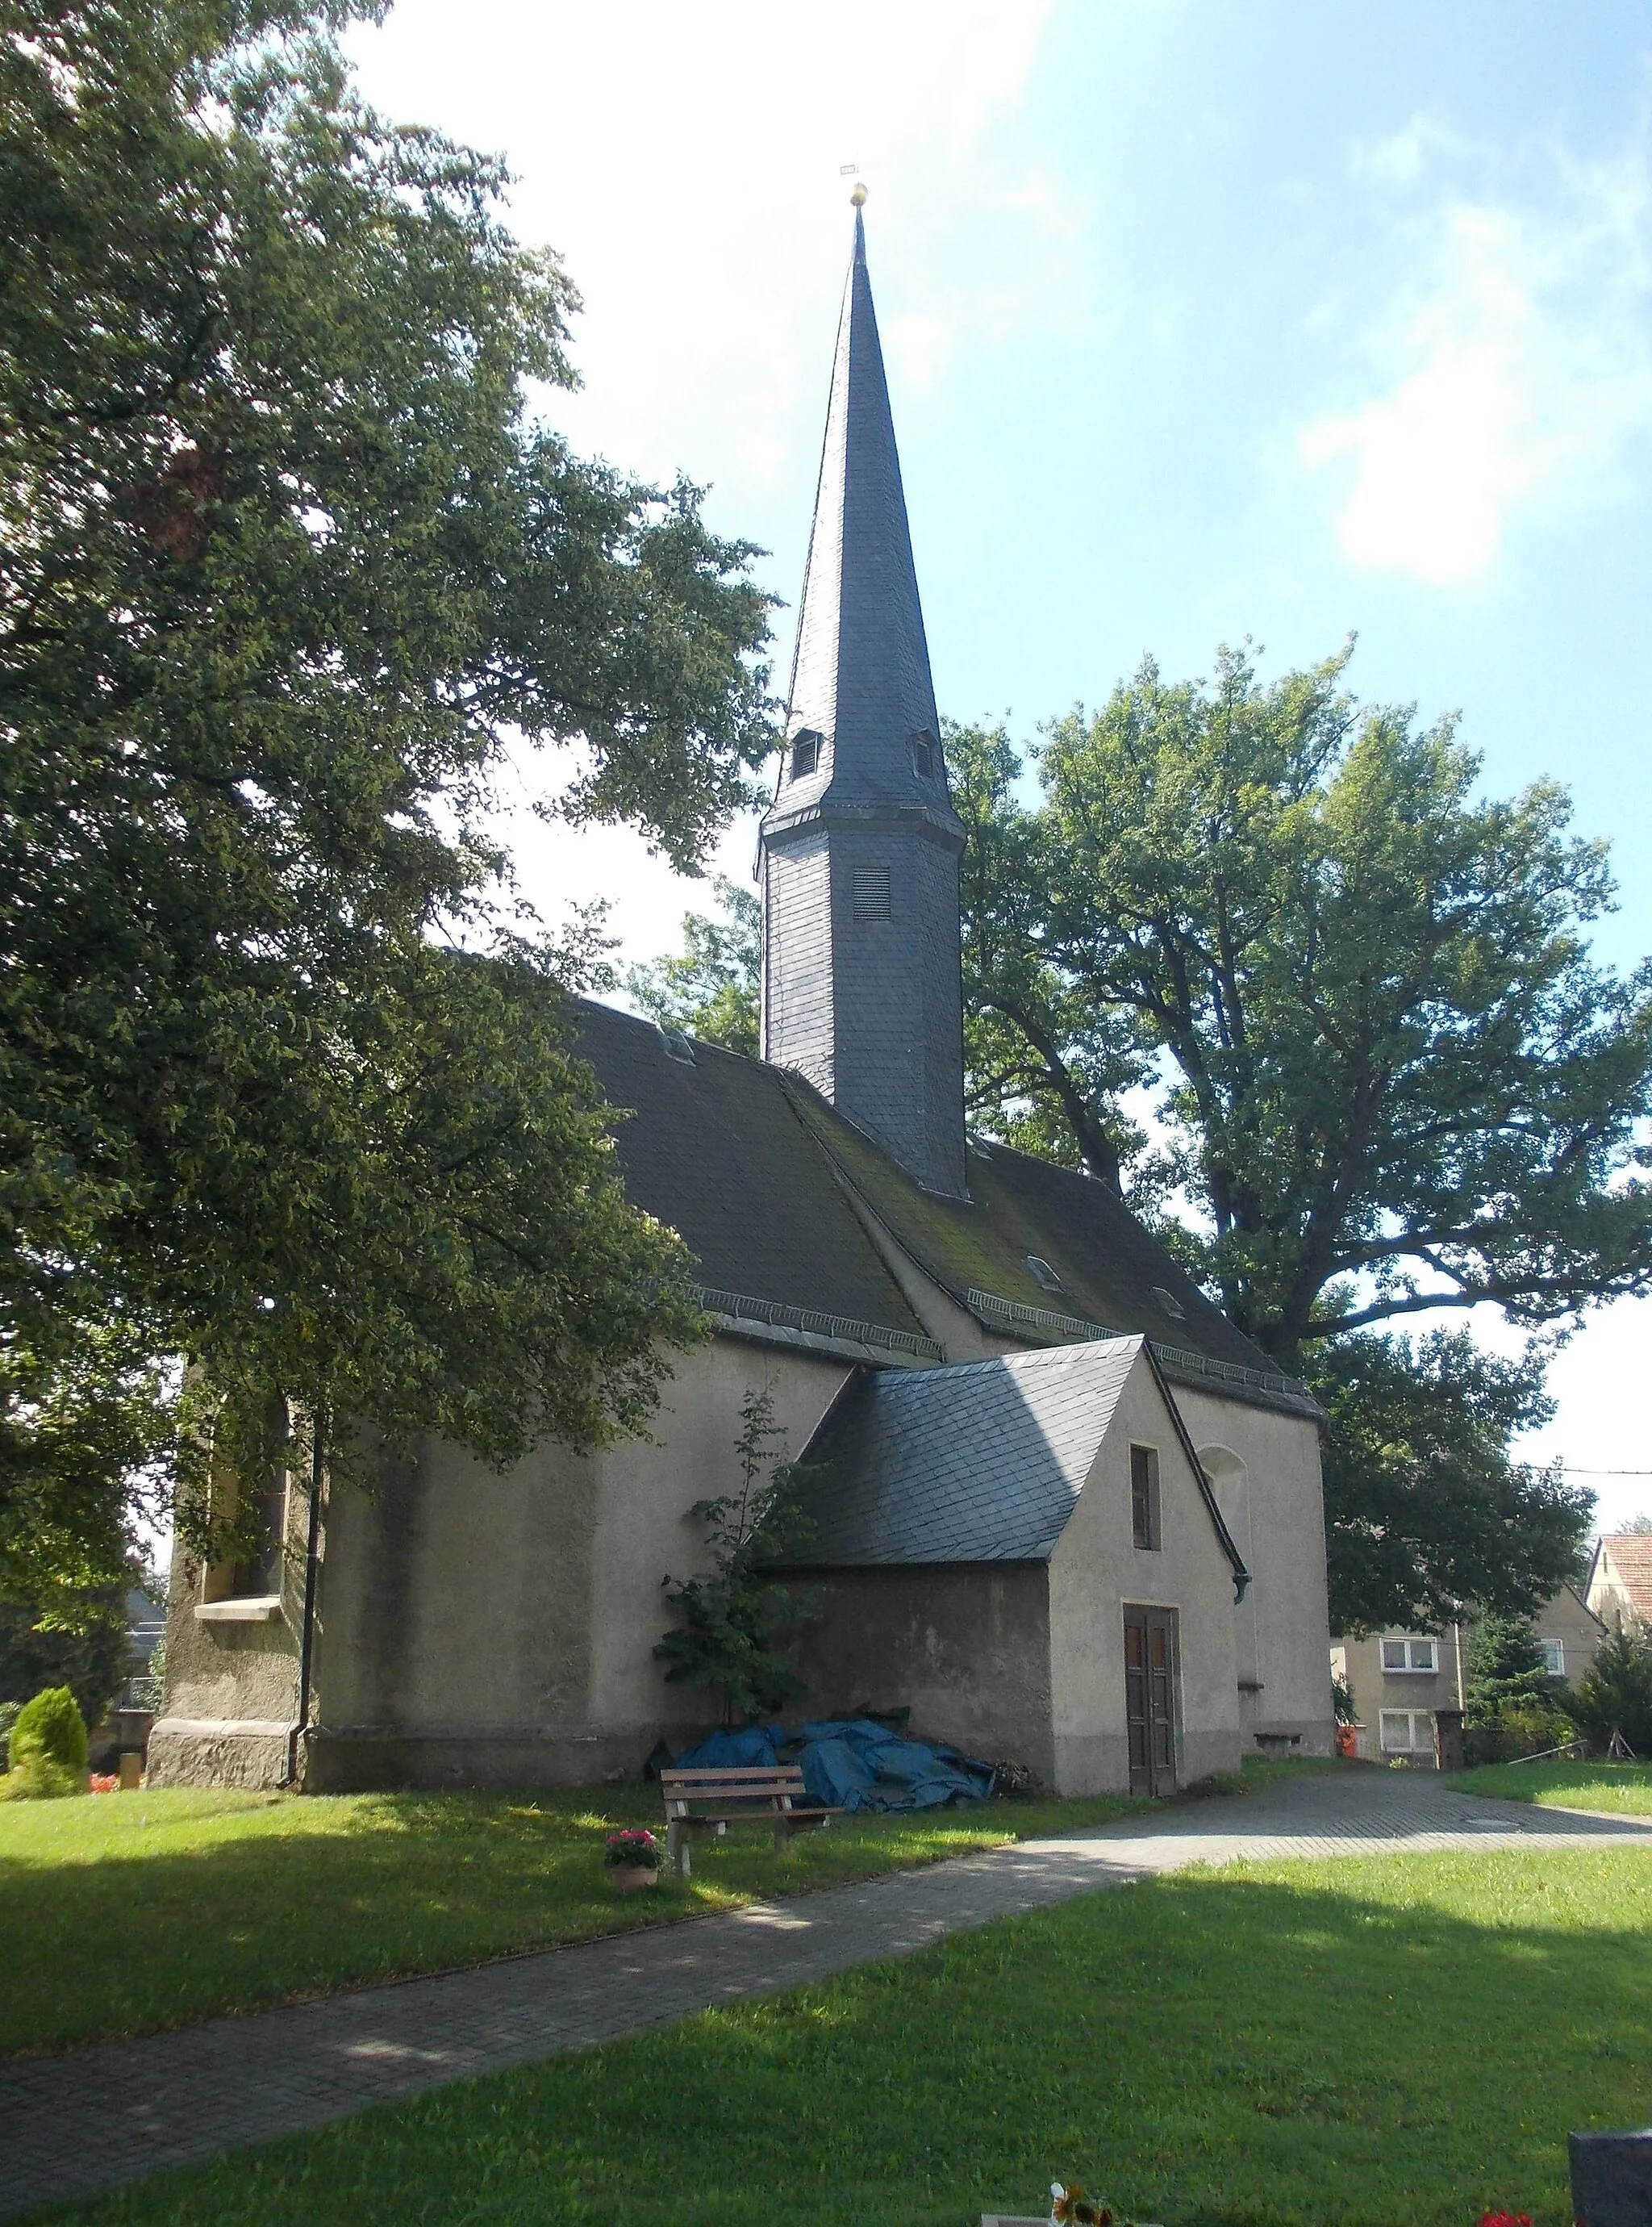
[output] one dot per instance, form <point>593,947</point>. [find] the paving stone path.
<point>94,2118</point>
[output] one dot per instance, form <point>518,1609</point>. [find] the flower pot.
<point>631,1878</point>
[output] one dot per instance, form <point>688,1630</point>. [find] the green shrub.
<point>1516,1729</point>
<point>1506,1672</point>
<point>47,1748</point>
<point>1616,1696</point>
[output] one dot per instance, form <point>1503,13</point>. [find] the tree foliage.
<point>728,1641</point>
<point>1045,1065</point>
<point>1506,1669</point>
<point>712,989</point>
<point>87,1434</point>
<point>1615,1694</point>
<point>1395,1080</point>
<point>1426,1515</point>
<point>286,568</point>
<point>90,1657</point>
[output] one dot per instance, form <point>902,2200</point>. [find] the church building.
<point>1058,1507</point>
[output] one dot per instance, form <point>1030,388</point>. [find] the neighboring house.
<point>1620,1578</point>
<point>1402,1680</point>
<point>1064,1510</point>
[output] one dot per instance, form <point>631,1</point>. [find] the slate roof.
<point>1111,1271</point>
<point>755,1169</point>
<point>717,1150</point>
<point>980,1462</point>
<point>860,674</point>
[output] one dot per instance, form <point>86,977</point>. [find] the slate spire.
<point>860,845</point>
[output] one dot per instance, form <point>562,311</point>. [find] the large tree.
<point>1427,1514</point>
<point>287,567</point>
<point>1389,1078</point>
<point>1394,1079</point>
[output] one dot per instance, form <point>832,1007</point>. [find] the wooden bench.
<point>702,1804</point>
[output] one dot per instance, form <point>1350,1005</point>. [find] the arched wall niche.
<point>1230,1480</point>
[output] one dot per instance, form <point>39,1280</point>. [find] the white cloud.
<point>686,164</point>
<point>1518,361</point>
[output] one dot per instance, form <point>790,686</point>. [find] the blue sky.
<point>1203,322</point>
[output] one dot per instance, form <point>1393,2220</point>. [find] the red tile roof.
<point>1631,1561</point>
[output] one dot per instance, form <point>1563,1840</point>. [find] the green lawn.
<point>1391,2042</point>
<point>1609,1786</point>
<point>124,1912</point>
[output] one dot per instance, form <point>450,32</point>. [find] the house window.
<point>1144,1497</point>
<point>1042,1273</point>
<point>1405,1732</point>
<point>1554,1656</point>
<point>923,756</point>
<point>871,893</point>
<point>1410,1655</point>
<point>806,753</point>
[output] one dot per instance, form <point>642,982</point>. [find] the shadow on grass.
<point>1396,2040</point>
<point>116,1920</point>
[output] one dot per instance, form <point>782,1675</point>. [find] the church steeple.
<point>860,845</point>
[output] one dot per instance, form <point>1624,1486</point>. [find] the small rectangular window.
<point>1410,1655</point>
<point>1144,1497</point>
<point>1554,1656</point>
<point>1405,1732</point>
<point>871,893</point>
<point>923,756</point>
<point>806,753</point>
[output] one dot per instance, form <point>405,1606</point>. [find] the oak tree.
<point>288,567</point>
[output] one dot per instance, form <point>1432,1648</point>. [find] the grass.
<point>1351,2043</point>
<point>124,1912</point>
<point>1622,1787</point>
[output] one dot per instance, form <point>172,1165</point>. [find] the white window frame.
<point>1411,1718</point>
<point>1408,1666</point>
<point>1554,1656</point>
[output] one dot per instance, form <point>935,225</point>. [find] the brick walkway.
<point>171,2098</point>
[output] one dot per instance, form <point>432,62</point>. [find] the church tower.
<point>859,849</point>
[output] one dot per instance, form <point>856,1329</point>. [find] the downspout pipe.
<point>300,1724</point>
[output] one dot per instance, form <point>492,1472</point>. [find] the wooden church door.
<point>1150,1700</point>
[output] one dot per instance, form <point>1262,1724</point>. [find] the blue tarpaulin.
<point>851,1763</point>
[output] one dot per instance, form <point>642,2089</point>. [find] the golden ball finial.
<point>858,199</point>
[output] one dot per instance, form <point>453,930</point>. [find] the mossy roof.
<point>750,1165</point>
<point>1111,1272</point>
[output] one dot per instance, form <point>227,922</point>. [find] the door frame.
<point>1152,1776</point>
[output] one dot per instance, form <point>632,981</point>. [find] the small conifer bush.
<point>47,1748</point>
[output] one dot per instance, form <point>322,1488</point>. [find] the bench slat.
<point>742,1794</point>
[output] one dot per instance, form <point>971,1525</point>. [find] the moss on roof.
<point>1111,1270</point>
<point>740,1158</point>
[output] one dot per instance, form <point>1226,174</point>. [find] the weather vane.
<point>852,170</point>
